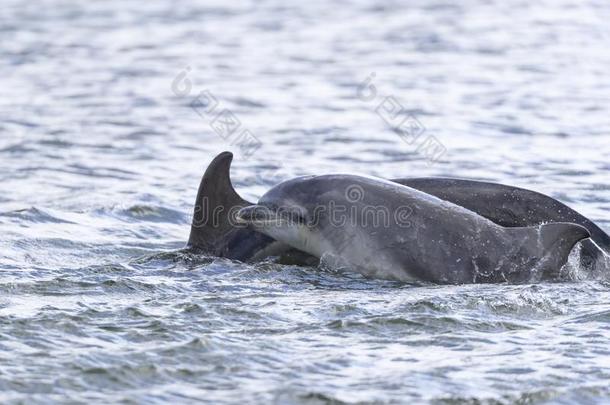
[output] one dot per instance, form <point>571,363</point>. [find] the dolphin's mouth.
<point>263,215</point>
<point>256,214</point>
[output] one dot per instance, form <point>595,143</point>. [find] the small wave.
<point>602,316</point>
<point>36,215</point>
<point>142,212</point>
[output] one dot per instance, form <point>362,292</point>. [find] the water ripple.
<point>100,159</point>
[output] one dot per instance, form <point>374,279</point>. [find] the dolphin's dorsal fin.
<point>557,240</point>
<point>562,235</point>
<point>216,200</point>
<point>551,243</point>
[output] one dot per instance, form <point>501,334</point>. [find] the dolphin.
<point>215,231</point>
<point>410,236</point>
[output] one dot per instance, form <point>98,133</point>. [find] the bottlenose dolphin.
<point>411,236</point>
<point>214,230</point>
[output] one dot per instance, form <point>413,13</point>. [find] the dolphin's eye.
<point>297,217</point>
<point>300,218</point>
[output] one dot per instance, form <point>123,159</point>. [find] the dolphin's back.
<point>506,205</point>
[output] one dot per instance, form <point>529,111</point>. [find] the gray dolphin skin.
<point>214,233</point>
<point>410,236</point>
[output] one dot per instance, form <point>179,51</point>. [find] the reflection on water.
<point>101,154</point>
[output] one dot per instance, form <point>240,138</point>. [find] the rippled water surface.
<point>101,153</point>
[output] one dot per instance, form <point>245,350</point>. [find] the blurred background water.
<point>101,153</point>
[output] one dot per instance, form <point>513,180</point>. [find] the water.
<point>101,155</point>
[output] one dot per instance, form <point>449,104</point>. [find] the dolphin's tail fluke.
<point>216,201</point>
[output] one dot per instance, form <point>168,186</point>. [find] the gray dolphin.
<point>383,229</point>
<point>214,232</point>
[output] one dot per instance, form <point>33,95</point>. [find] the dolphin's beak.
<point>253,214</point>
